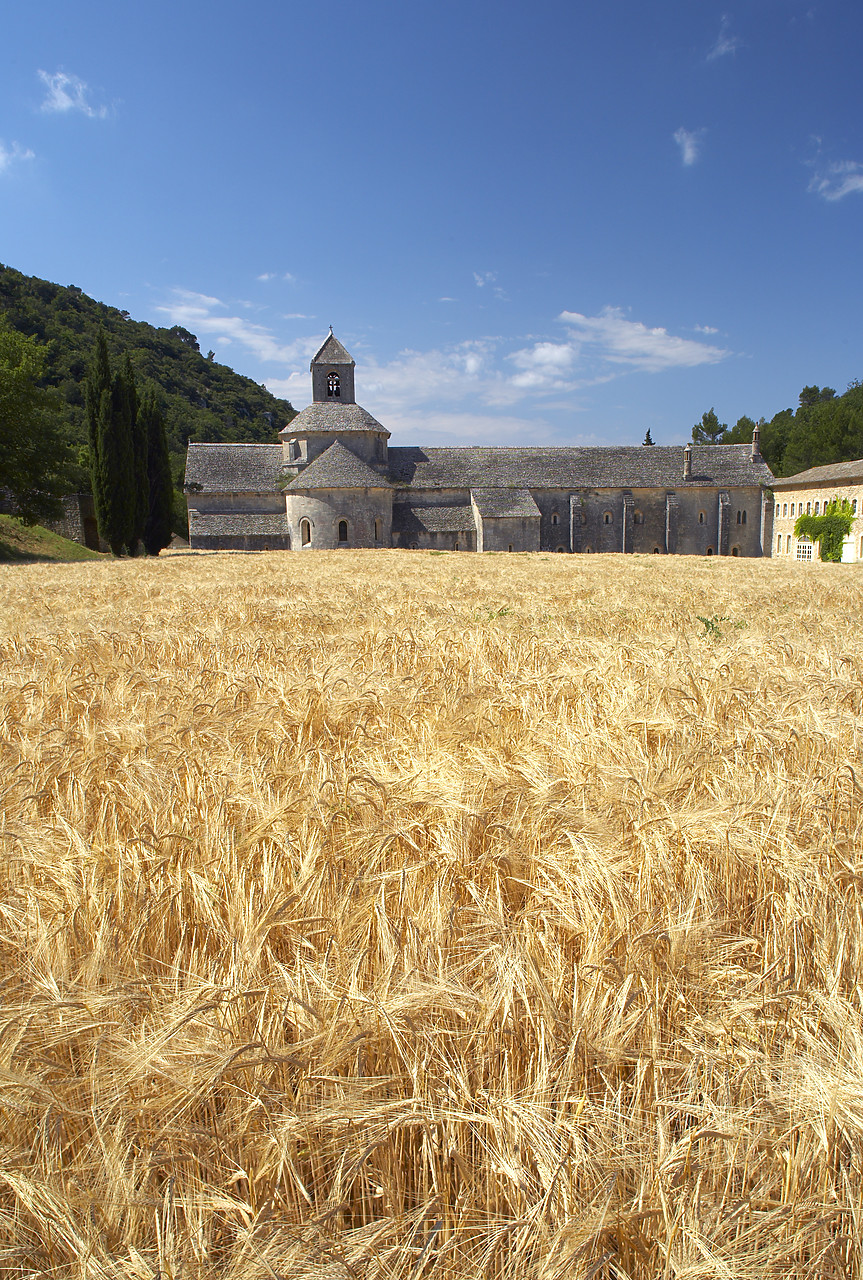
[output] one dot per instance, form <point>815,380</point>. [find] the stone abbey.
<point>334,481</point>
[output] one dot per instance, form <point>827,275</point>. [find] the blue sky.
<point>547,222</point>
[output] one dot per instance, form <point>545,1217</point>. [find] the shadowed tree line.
<point>201,399</point>
<point>825,428</point>
<point>130,469</point>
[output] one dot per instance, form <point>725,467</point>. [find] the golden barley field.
<point>393,914</point>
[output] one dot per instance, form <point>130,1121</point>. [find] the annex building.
<point>809,493</point>
<point>335,481</point>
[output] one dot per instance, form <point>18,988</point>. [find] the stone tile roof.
<point>597,467</point>
<point>499,503</point>
<point>337,468</point>
<point>234,468</point>
<point>332,415</point>
<point>213,524</point>
<point>331,351</point>
<point>407,519</point>
<point>833,473</point>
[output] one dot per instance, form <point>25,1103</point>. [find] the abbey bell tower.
<point>332,374</point>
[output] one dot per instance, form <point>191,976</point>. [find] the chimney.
<point>756,444</point>
<point>687,462</point>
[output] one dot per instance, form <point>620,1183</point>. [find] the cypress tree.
<point>110,450</point>
<point>157,529</point>
<point>140,482</point>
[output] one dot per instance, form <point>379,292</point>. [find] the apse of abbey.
<point>335,481</point>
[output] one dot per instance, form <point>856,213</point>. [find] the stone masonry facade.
<point>809,492</point>
<point>335,481</point>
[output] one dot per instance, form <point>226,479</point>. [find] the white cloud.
<point>447,299</point>
<point>267,275</point>
<point>619,341</point>
<point>276,275</point>
<point>483,278</point>
<point>202,314</point>
<point>705,328</point>
<point>725,42</point>
<point>69,93</point>
<point>689,141</point>
<point>834,181</point>
<point>12,154</point>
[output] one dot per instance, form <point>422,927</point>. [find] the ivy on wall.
<point>828,530</point>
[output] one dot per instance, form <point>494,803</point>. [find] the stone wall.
<point>325,509</point>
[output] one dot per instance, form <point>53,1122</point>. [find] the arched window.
<point>743,521</point>
<point>779,543</point>
<point>785,508</point>
<point>701,517</point>
<point>809,508</point>
<point>554,517</point>
<point>853,506</point>
<point>735,551</point>
<point>334,386</point>
<point>788,544</point>
<point>456,545</point>
<point>777,511</point>
<point>710,551</point>
<point>377,531</point>
<point>305,533</point>
<point>638,517</point>
<point>510,547</point>
<point>656,551</point>
<point>607,517</point>
<point>343,531</point>
<point>816,508</point>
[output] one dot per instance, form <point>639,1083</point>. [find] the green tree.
<point>160,488</point>
<point>709,430</point>
<point>138,434</point>
<point>35,458</point>
<point>111,456</point>
<point>648,438</point>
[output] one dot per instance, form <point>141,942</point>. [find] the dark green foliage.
<point>829,530</point>
<point>826,428</point>
<point>112,471</point>
<point>709,430</point>
<point>741,432</point>
<point>203,400</point>
<point>141,482</point>
<point>648,438</point>
<point>36,466</point>
<point>157,527</point>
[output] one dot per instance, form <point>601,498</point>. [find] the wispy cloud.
<point>834,181</point>
<point>705,328</point>
<point>203,314</point>
<point>12,155</point>
<point>689,141</point>
<point>277,275</point>
<point>482,278</point>
<point>68,93</point>
<point>631,344</point>
<point>725,42</point>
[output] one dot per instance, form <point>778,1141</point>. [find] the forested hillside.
<point>824,428</point>
<point>202,400</point>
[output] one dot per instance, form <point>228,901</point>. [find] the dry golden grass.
<point>402,915</point>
